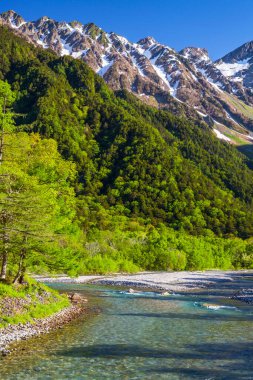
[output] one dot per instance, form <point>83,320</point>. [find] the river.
<point>142,336</point>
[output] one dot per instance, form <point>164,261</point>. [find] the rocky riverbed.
<point>239,282</point>
<point>18,332</point>
<point>170,281</point>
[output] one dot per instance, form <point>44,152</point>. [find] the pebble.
<point>15,333</point>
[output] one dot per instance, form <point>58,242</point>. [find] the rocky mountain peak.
<point>12,18</point>
<point>186,83</point>
<point>76,24</point>
<point>92,30</point>
<point>44,19</point>
<point>244,52</point>
<point>9,14</point>
<point>195,54</point>
<point>237,65</point>
<point>147,42</point>
<point>42,23</point>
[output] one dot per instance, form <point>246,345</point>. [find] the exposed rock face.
<point>186,83</point>
<point>237,66</point>
<point>216,75</point>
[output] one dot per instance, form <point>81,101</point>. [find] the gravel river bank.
<point>23,331</point>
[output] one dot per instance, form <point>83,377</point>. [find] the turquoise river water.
<point>142,336</point>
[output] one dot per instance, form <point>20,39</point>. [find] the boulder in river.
<point>77,298</point>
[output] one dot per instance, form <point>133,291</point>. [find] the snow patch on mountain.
<point>230,69</point>
<point>136,64</point>
<point>150,69</point>
<point>215,84</point>
<point>66,48</point>
<point>14,25</point>
<point>160,72</point>
<point>231,118</point>
<point>196,54</point>
<point>173,89</point>
<point>106,64</point>
<point>220,135</point>
<point>79,54</point>
<point>41,40</point>
<point>202,114</point>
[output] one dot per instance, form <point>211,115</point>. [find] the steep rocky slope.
<point>237,66</point>
<point>186,83</point>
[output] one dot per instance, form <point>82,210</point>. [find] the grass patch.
<point>243,108</point>
<point>35,312</point>
<point>11,291</point>
<point>38,301</point>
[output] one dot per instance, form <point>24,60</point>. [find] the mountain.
<point>155,165</point>
<point>237,66</point>
<point>146,189</point>
<point>186,82</point>
<point>214,73</point>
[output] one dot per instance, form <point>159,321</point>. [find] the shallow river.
<point>142,336</point>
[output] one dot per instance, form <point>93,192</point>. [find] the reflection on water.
<point>142,336</point>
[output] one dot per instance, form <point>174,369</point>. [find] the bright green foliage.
<point>152,190</point>
<point>38,301</point>
<point>160,248</point>
<point>219,161</point>
<point>121,157</point>
<point>37,203</point>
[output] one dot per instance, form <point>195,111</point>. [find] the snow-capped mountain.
<point>238,65</point>
<point>186,82</point>
<point>216,73</point>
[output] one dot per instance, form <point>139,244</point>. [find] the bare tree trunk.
<point>21,278</point>
<point>4,259</point>
<point>20,269</point>
<point>2,133</point>
<point>4,266</point>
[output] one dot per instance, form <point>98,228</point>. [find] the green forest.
<point>93,181</point>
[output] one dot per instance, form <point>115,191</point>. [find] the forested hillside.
<point>131,187</point>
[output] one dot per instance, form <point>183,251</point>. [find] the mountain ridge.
<point>185,82</point>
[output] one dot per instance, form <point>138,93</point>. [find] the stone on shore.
<point>18,332</point>
<point>77,298</point>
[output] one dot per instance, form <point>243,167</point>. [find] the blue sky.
<point>218,25</point>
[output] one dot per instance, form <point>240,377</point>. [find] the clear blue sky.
<point>218,25</point>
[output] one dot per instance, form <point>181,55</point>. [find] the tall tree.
<point>6,100</point>
<point>37,203</point>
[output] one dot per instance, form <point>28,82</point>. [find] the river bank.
<point>32,309</point>
<point>145,336</point>
<point>18,332</point>
<point>164,281</point>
